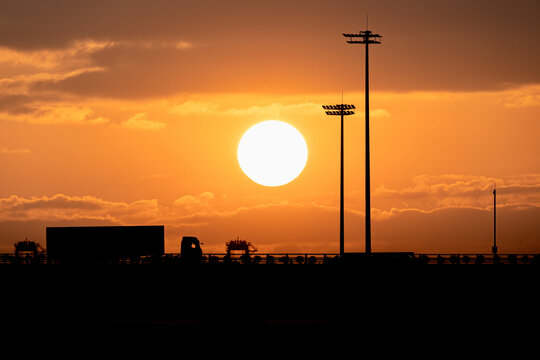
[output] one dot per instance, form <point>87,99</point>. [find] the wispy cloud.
<point>74,56</point>
<point>190,202</point>
<point>47,114</point>
<point>428,194</point>
<point>194,107</point>
<point>269,110</point>
<point>140,121</point>
<point>525,96</point>
<point>67,207</point>
<point>439,191</point>
<point>31,83</point>
<point>13,151</point>
<point>38,71</point>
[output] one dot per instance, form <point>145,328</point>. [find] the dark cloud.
<point>287,46</point>
<point>57,23</point>
<point>130,72</point>
<point>18,104</point>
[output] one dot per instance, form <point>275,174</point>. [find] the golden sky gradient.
<point>130,113</point>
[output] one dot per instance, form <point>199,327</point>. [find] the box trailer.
<point>103,242</point>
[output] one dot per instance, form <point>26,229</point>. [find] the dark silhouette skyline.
<point>145,245</point>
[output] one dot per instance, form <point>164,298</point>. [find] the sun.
<point>272,153</point>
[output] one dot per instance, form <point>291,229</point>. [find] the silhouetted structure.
<point>190,250</point>
<point>381,258</point>
<point>240,245</point>
<point>366,37</point>
<point>494,248</point>
<point>145,245</point>
<point>103,243</point>
<point>342,110</point>
<point>27,247</point>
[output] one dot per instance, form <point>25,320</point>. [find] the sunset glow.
<point>148,113</point>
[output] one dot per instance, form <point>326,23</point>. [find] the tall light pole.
<point>342,110</point>
<point>366,37</point>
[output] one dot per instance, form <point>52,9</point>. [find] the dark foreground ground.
<point>141,306</point>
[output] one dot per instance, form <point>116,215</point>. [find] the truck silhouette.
<point>190,250</point>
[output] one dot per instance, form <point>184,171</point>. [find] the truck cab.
<point>190,250</point>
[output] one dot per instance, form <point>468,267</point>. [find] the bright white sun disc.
<point>272,153</point>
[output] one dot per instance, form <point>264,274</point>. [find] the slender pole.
<point>341,110</point>
<point>366,37</point>
<point>494,249</point>
<point>341,201</point>
<point>368,191</point>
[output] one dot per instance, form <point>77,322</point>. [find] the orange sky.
<point>130,112</point>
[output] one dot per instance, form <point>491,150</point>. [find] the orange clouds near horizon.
<point>437,214</point>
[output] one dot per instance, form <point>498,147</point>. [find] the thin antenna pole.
<point>494,248</point>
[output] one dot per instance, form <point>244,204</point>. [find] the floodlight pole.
<point>366,37</point>
<point>342,110</point>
